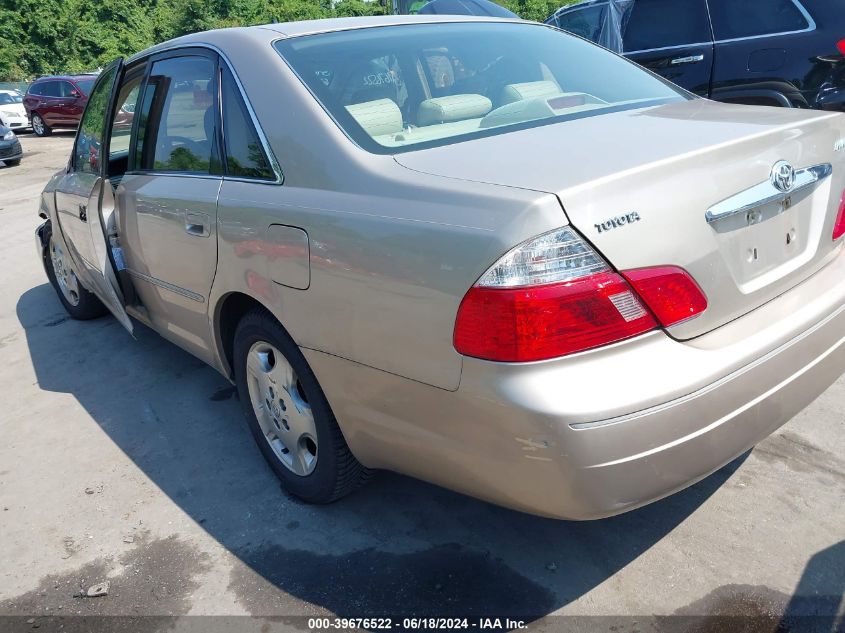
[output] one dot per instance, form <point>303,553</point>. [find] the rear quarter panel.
<point>392,251</point>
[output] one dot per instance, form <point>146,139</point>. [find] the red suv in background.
<point>57,102</point>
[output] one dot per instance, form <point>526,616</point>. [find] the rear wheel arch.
<point>230,309</point>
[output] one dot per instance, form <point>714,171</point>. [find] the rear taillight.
<point>841,46</point>
<point>554,295</point>
<point>669,292</point>
<point>839,225</point>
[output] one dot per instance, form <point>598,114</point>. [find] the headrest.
<point>529,90</point>
<point>454,108</point>
<point>378,117</point>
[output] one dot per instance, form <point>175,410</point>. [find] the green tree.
<point>39,37</point>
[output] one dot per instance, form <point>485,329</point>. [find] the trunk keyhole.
<point>790,237</point>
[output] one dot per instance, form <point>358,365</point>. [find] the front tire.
<point>13,163</point>
<point>288,414</point>
<point>79,302</point>
<point>39,127</point>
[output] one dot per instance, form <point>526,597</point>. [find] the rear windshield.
<point>85,85</point>
<point>7,98</point>
<point>397,88</point>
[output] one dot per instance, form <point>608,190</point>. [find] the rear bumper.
<point>601,432</point>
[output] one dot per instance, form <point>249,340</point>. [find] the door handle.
<point>83,212</point>
<point>197,223</point>
<point>689,59</point>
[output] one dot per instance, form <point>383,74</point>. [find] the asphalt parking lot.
<point>127,461</point>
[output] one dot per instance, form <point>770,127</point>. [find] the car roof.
<point>270,32</point>
<point>78,77</point>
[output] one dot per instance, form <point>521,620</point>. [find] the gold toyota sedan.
<point>480,252</point>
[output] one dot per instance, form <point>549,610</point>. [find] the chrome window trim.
<point>667,48</point>
<point>174,174</point>
<point>810,21</point>
<point>274,163</point>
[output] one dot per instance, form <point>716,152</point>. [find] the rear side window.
<point>35,89</point>
<point>586,22</point>
<point>665,23</point>
<point>750,18</point>
<point>178,127</point>
<point>50,89</point>
<point>245,157</point>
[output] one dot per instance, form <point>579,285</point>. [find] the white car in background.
<point>12,112</point>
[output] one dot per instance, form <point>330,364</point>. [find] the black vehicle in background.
<point>762,52</point>
<point>10,147</point>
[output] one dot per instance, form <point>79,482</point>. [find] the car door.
<point>672,38</point>
<point>168,196</point>
<point>47,101</point>
<point>63,103</point>
<point>85,201</point>
<point>763,51</point>
<point>72,103</point>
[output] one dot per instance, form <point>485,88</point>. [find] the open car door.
<point>85,199</point>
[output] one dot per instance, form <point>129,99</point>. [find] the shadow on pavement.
<point>397,547</point>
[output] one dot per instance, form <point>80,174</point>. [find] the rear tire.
<point>79,302</point>
<point>297,434</point>
<point>39,127</point>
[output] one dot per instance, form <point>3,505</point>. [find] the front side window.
<point>750,18</point>
<point>50,89</point>
<point>665,23</point>
<point>85,85</point>
<point>65,89</point>
<point>178,126</point>
<point>586,22</point>
<point>89,139</point>
<point>396,88</point>
<point>245,157</point>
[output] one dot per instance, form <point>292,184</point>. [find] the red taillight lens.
<point>841,46</point>
<point>839,226</point>
<point>669,292</point>
<point>532,323</point>
<point>554,295</point>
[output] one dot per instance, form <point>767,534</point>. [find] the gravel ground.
<point>127,461</point>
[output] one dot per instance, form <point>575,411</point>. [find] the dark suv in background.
<point>57,102</point>
<point>762,52</point>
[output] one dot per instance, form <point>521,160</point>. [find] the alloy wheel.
<point>65,277</point>
<point>282,410</point>
<point>38,125</point>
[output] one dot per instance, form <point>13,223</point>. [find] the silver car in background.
<point>480,252</point>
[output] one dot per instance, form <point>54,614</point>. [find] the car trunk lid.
<point>681,184</point>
